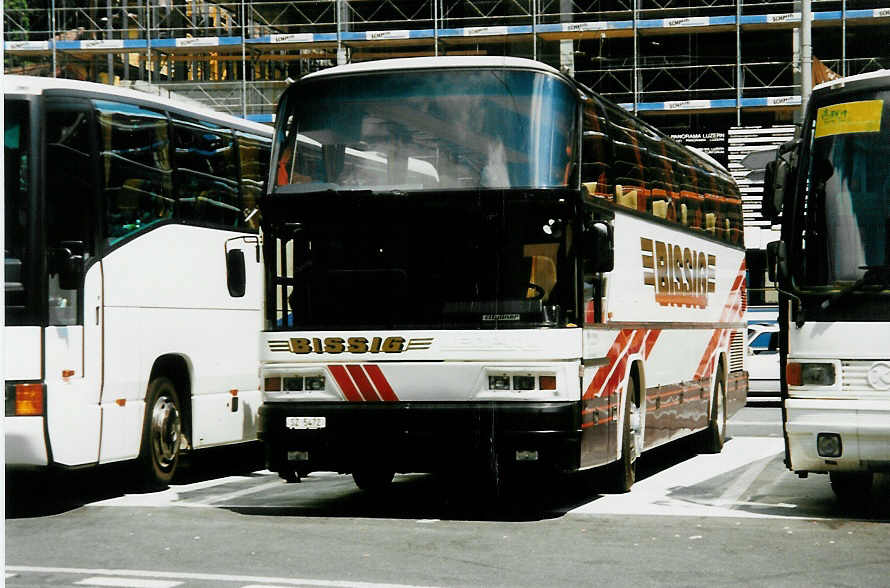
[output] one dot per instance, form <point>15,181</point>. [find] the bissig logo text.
<point>680,276</point>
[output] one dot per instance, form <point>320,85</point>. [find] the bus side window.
<point>253,152</point>
<point>595,153</point>
<point>137,177</point>
<point>70,196</point>
<point>206,165</point>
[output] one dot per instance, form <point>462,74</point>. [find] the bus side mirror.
<point>236,273</point>
<point>68,262</point>
<point>777,262</point>
<point>599,249</point>
<point>774,179</point>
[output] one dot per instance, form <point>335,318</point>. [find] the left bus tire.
<point>851,487</point>
<point>714,436</point>
<point>161,433</point>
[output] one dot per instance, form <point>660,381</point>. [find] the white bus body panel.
<point>435,366</point>
<point>25,441</point>
<point>155,308</point>
<point>22,353</point>
<point>857,407</point>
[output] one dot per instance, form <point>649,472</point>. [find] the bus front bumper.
<point>861,426</point>
<point>421,437</point>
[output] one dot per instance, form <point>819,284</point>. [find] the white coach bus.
<point>833,189</point>
<point>555,284</point>
<point>132,276</point>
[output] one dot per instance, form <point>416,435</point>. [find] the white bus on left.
<point>133,277</point>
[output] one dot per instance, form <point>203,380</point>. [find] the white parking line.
<point>660,493</point>
<point>184,576</point>
<point>127,582</point>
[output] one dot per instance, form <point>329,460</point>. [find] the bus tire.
<point>159,454</point>
<point>625,470</point>
<point>372,480</point>
<point>851,487</point>
<point>715,435</point>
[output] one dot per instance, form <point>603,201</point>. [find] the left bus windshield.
<point>848,208</point>
<point>17,191</point>
<point>428,130</point>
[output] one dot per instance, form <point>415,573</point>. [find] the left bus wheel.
<point>715,434</point>
<point>161,433</point>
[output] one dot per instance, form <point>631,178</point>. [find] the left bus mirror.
<point>236,273</point>
<point>68,261</point>
<point>599,251</point>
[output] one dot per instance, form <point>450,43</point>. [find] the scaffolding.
<point>678,58</point>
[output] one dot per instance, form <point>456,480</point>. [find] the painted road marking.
<point>127,582</point>
<point>185,576</point>
<point>654,495</point>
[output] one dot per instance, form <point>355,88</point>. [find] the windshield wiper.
<point>876,278</point>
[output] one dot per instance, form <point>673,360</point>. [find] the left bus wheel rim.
<point>165,428</point>
<point>721,420</point>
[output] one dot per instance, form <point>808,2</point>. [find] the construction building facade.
<point>723,75</point>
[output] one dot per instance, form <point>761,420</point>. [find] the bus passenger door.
<point>72,337</point>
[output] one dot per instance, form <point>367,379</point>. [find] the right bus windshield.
<point>847,226</point>
<point>17,192</point>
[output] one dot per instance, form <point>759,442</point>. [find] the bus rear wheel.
<point>715,435</point>
<point>161,433</point>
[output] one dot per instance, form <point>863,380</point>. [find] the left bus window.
<point>135,147</point>
<point>206,163</point>
<point>17,190</point>
<point>70,183</point>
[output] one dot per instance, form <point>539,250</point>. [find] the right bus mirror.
<point>777,261</point>
<point>774,179</point>
<point>599,251</point>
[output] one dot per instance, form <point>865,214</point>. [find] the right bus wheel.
<point>372,479</point>
<point>161,433</point>
<point>625,473</point>
<point>715,434</point>
<point>851,486</point>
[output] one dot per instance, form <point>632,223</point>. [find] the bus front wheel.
<point>851,486</point>
<point>161,433</point>
<point>372,479</point>
<point>625,469</point>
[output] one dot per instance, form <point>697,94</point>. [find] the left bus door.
<point>73,335</point>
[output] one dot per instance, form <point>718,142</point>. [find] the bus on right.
<point>830,191</point>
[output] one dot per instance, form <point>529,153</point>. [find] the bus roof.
<point>33,85</point>
<point>843,82</point>
<point>434,63</point>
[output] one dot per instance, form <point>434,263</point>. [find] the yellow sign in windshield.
<point>850,117</point>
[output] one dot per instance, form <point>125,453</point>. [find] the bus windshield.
<point>847,229</point>
<point>17,193</point>
<point>416,130</point>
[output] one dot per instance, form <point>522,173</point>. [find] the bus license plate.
<point>293,422</point>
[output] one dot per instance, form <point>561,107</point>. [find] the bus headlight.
<point>810,374</point>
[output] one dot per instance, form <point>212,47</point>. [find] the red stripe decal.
<point>383,388</point>
<point>364,385</point>
<point>345,382</point>
<point>614,353</point>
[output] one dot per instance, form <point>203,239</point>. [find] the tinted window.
<point>17,190</point>
<point>254,153</point>
<point>206,171</point>
<point>70,197</point>
<point>134,146</point>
